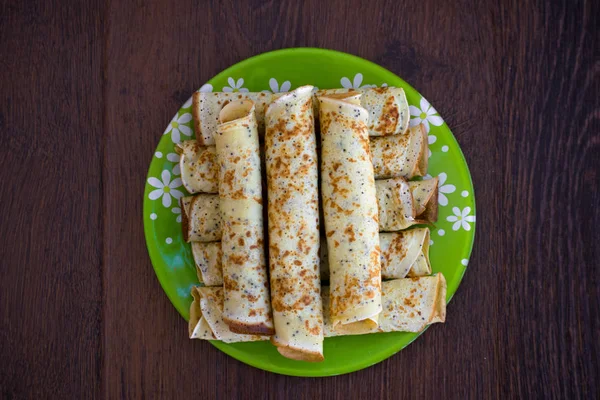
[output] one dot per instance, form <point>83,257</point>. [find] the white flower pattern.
<point>355,84</point>
<point>274,85</point>
<point>176,126</point>
<point>461,218</point>
<point>166,188</point>
<point>444,189</point>
<point>425,115</point>
<point>174,158</point>
<point>235,86</point>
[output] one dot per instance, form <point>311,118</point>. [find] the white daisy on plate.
<point>166,188</point>
<point>425,115</point>
<point>355,84</point>
<point>461,218</point>
<point>176,127</point>
<point>235,86</point>
<point>443,189</point>
<point>274,85</point>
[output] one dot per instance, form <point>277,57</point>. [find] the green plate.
<point>452,237</point>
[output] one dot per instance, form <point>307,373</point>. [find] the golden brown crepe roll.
<point>400,155</point>
<point>247,305</point>
<point>293,210</point>
<point>198,164</point>
<point>207,106</point>
<point>200,218</point>
<point>410,304</point>
<point>350,214</point>
<point>206,318</point>
<point>403,254</point>
<point>403,204</point>
<point>425,195</point>
<point>207,257</point>
<point>387,109</point>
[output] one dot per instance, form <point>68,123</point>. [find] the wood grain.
<point>87,90</point>
<point>51,161</point>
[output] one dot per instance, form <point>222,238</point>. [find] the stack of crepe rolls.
<point>400,205</point>
<point>246,304</point>
<point>350,214</point>
<point>404,253</point>
<point>409,305</point>
<point>387,108</point>
<point>293,222</point>
<point>368,155</point>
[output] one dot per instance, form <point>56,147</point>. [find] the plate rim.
<point>233,352</point>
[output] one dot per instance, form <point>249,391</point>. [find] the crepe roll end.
<point>439,305</point>
<point>358,327</point>
<point>351,97</point>
<point>249,329</point>
<point>235,110</point>
<point>198,327</point>
<point>196,106</point>
<point>425,194</point>
<point>423,157</point>
<point>184,205</point>
<point>305,90</point>
<point>300,355</point>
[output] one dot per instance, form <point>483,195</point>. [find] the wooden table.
<point>87,88</point>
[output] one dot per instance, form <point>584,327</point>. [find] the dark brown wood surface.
<point>86,89</point>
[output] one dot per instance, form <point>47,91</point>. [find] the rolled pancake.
<point>350,214</point>
<point>425,196</point>
<point>410,304</point>
<point>403,204</point>
<point>198,164</point>
<point>206,318</point>
<point>208,257</point>
<point>247,305</point>
<point>404,253</point>
<point>207,106</point>
<point>400,205</point>
<point>200,218</point>
<point>293,210</point>
<point>387,108</point>
<point>400,155</point>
